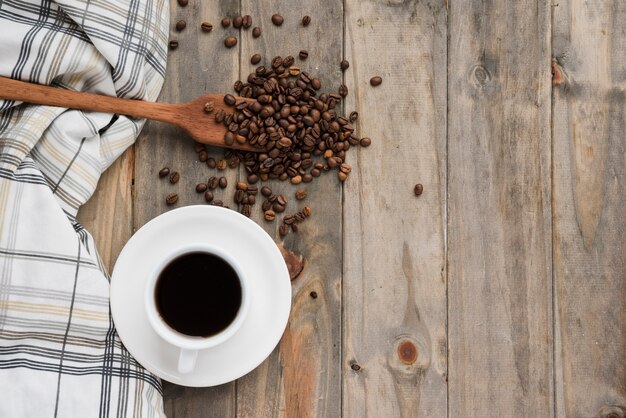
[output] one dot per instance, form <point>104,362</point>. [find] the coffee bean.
<point>256,32</point>
<point>277,19</point>
<point>213,182</point>
<point>343,90</point>
<point>342,176</point>
<point>241,186</point>
<point>229,99</point>
<point>294,227</point>
<point>239,195</point>
<point>281,200</point>
<point>209,107</point>
<point>201,187</point>
<point>266,191</point>
<point>223,182</point>
<point>418,189</point>
<point>277,61</point>
<point>306,20</point>
<point>303,54</point>
<point>229,138</point>
<point>230,42</point>
<point>164,172</point>
<point>313,295</point>
<point>301,194</point>
<point>296,179</point>
<point>247,22</point>
<point>252,178</point>
<point>354,116</point>
<point>307,211</point>
<point>211,163</point>
<point>237,21</point>
<point>203,156</point>
<point>180,25</point>
<point>173,44</point>
<point>183,3</point>
<point>246,210</point>
<point>219,116</point>
<point>316,84</point>
<point>316,172</point>
<point>294,71</point>
<point>288,61</point>
<point>307,178</point>
<point>278,208</point>
<point>345,168</point>
<point>208,196</point>
<point>206,27</point>
<point>288,220</point>
<point>218,203</point>
<point>365,142</point>
<point>344,65</point>
<point>283,230</point>
<point>174,177</point>
<point>255,59</point>
<point>171,198</point>
<point>376,81</point>
<point>266,205</point>
<point>269,215</point>
<point>225,22</point>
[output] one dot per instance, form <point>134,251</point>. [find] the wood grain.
<point>394,313</point>
<point>302,378</point>
<point>201,64</point>
<point>108,214</point>
<point>499,225</point>
<point>589,132</point>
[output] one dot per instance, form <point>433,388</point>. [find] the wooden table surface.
<point>500,291</point>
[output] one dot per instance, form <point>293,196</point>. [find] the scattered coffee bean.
<point>225,22</point>
<point>230,42</point>
<point>174,177</point>
<point>256,32</point>
<point>277,19</point>
<point>301,194</point>
<point>237,21</point>
<point>418,189</point>
<point>306,20</point>
<point>221,165</point>
<point>252,178</point>
<point>344,65</point>
<point>376,81</point>
<point>313,294</point>
<point>197,146</point>
<point>241,186</point>
<point>201,187</point>
<point>255,59</point>
<point>269,215</point>
<point>288,61</point>
<point>283,230</point>
<point>266,191</point>
<point>164,172</point>
<point>180,25</point>
<point>229,99</point>
<point>171,198</point>
<point>316,84</point>
<point>365,142</point>
<point>252,190</point>
<point>183,3</point>
<point>203,156</point>
<point>173,44</point>
<point>297,179</point>
<point>211,163</point>
<point>294,227</point>
<point>218,203</point>
<point>342,176</point>
<point>209,107</point>
<point>345,168</point>
<point>208,196</point>
<point>246,210</point>
<point>354,116</point>
<point>343,90</point>
<point>246,22</point>
<point>266,205</point>
<point>278,208</point>
<point>307,211</point>
<point>303,54</point>
<point>213,182</point>
<point>277,61</point>
<point>206,27</point>
<point>281,200</point>
<point>223,182</point>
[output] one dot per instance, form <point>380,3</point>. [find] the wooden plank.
<point>394,313</point>
<point>499,224</point>
<point>302,378</point>
<point>108,214</point>
<point>201,64</point>
<point>589,128</point>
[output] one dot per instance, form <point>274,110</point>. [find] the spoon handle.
<point>37,94</point>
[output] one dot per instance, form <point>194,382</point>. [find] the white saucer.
<point>261,261</point>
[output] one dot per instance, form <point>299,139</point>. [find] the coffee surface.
<point>198,294</point>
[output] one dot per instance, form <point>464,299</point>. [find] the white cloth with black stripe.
<point>59,353</point>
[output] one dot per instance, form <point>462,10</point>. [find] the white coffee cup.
<point>190,345</point>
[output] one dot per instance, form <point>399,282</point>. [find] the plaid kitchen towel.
<point>59,353</point>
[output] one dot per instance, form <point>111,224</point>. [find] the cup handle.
<point>187,360</point>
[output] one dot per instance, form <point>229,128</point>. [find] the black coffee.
<point>198,294</point>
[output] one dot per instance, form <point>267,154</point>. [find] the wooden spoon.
<point>190,116</point>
